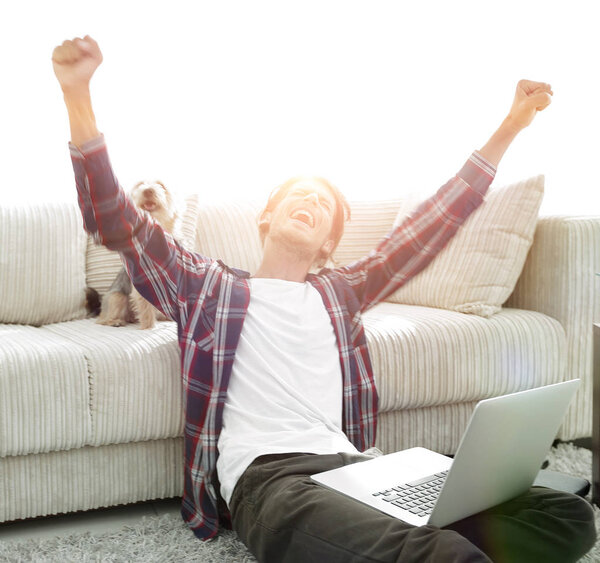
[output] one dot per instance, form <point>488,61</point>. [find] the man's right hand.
<point>75,62</point>
<point>74,65</point>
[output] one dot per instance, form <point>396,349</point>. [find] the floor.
<point>96,521</point>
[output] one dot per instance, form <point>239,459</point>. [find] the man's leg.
<point>542,525</point>
<point>281,515</point>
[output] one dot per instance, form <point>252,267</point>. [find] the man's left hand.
<point>530,98</point>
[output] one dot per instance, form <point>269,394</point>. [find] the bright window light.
<point>229,99</point>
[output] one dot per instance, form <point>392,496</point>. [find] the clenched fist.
<point>530,98</point>
<point>75,62</point>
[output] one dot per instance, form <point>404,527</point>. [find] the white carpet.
<point>167,539</point>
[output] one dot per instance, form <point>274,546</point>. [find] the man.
<point>276,372</point>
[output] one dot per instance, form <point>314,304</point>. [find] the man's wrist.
<point>77,95</point>
<point>494,149</point>
<point>81,117</point>
<point>510,125</point>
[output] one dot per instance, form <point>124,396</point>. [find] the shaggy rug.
<point>167,539</point>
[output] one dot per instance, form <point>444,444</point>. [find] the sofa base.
<point>438,428</point>
<point>90,477</point>
<point>94,477</point>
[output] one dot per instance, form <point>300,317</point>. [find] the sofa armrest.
<point>559,279</point>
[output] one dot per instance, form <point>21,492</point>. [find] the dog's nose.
<point>148,192</point>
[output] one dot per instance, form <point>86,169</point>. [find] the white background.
<point>229,99</point>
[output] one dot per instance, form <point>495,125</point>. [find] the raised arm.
<point>411,246</point>
<point>530,97</point>
<point>74,64</point>
<point>160,268</point>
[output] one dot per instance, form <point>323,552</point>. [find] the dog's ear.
<point>162,185</point>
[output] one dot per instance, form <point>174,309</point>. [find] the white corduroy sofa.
<point>91,415</point>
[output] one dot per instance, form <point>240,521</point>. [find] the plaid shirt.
<point>209,301</point>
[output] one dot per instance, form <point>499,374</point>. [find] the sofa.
<point>91,415</point>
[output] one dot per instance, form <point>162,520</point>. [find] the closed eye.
<point>322,200</point>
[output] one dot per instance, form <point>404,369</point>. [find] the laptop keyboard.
<point>418,497</point>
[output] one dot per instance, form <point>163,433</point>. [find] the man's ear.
<point>327,248</point>
<point>264,224</point>
<point>264,220</point>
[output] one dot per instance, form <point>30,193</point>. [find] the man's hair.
<point>341,212</point>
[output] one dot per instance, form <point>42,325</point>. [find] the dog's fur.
<point>122,303</point>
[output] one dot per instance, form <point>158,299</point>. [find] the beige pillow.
<point>42,264</point>
<point>369,222</point>
<point>229,232</point>
<point>479,268</point>
<point>103,265</point>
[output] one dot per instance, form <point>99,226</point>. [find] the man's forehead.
<point>312,185</point>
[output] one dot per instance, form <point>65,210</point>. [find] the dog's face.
<point>156,199</point>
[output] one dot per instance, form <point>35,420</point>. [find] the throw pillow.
<point>479,268</point>
<point>103,265</point>
<point>229,232</point>
<point>369,222</point>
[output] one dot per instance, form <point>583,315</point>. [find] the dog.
<point>122,303</point>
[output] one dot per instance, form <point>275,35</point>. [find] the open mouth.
<point>304,217</point>
<point>149,206</point>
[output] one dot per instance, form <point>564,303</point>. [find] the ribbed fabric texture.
<point>436,428</point>
<point>42,264</point>
<point>559,280</point>
<point>425,357</point>
<point>85,478</point>
<point>103,265</point>
<point>134,379</point>
<point>229,232</point>
<point>369,223</point>
<point>189,219</point>
<point>478,269</point>
<point>71,385</point>
<point>44,399</point>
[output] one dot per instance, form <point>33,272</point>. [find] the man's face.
<point>303,220</point>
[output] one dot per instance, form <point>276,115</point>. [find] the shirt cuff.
<point>478,172</point>
<point>485,164</point>
<point>89,147</point>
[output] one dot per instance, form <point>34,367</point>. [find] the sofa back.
<point>47,261</point>
<point>42,264</point>
<point>229,231</point>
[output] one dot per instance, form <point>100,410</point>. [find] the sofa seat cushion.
<point>44,394</point>
<point>134,379</point>
<point>425,357</point>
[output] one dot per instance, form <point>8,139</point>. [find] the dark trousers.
<point>281,515</point>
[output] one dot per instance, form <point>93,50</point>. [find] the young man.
<point>276,372</point>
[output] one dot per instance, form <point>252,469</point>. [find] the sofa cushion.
<point>479,268</point>
<point>229,232</point>
<point>44,397</point>
<point>42,264</point>
<point>216,223</point>
<point>134,379</point>
<point>370,222</point>
<point>103,265</point>
<point>426,357</point>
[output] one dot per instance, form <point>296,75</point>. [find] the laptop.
<point>498,459</point>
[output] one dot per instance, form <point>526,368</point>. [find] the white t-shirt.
<point>285,392</point>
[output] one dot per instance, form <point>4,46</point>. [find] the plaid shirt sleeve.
<point>411,246</point>
<point>158,266</point>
